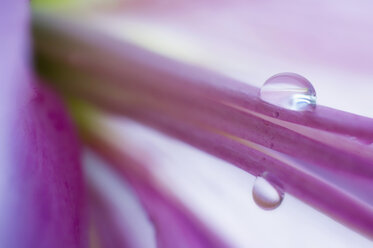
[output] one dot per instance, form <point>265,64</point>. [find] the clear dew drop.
<point>289,90</point>
<point>266,195</point>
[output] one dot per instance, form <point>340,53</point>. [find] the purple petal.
<point>40,178</point>
<point>174,224</point>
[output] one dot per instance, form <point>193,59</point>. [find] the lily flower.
<point>189,139</point>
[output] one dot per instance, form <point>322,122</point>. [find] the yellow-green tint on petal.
<point>62,5</point>
<point>55,4</point>
<point>84,115</point>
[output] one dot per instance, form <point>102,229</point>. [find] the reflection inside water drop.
<point>266,195</point>
<point>289,90</point>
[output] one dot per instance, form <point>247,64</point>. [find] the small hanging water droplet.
<point>266,195</point>
<point>289,90</point>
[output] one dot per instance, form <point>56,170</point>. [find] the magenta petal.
<point>42,199</point>
<point>175,225</point>
<point>40,178</point>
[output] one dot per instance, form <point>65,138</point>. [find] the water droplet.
<point>266,195</point>
<point>289,90</point>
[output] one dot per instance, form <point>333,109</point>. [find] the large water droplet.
<point>289,90</point>
<point>266,195</point>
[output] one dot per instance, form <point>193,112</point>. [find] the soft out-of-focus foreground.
<point>186,139</point>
